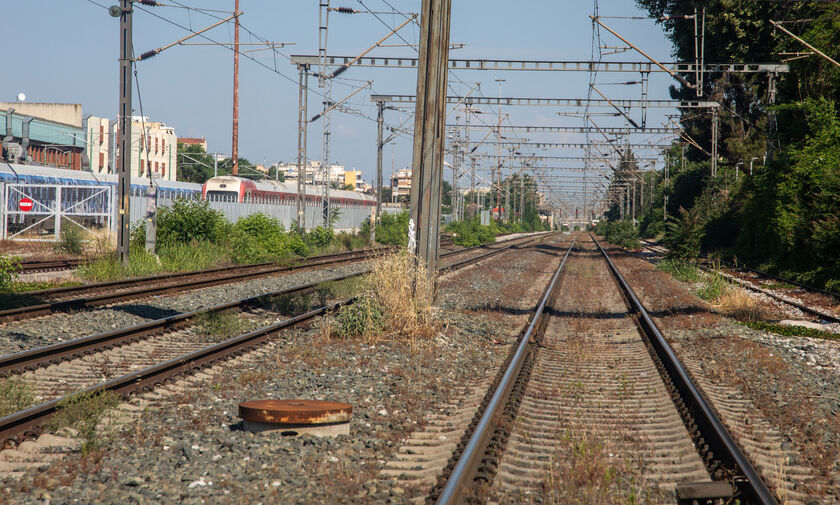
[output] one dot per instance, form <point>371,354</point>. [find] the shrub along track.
<point>164,356</point>
<point>817,304</point>
<point>596,422</point>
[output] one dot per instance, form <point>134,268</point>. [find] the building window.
<point>101,133</point>
<point>101,161</point>
<point>157,167</point>
<point>163,145</point>
<point>163,169</point>
<point>156,145</point>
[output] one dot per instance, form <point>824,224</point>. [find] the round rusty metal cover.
<point>295,411</point>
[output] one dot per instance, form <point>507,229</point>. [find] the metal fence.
<point>51,207</point>
<point>93,208</point>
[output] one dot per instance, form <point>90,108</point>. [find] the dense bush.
<point>684,235</point>
<point>320,237</point>
<point>258,237</point>
<point>185,221</point>
<point>471,233</point>
<point>391,230</point>
<point>621,233</point>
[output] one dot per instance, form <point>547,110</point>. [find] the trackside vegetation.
<point>772,204</point>
<point>192,236</point>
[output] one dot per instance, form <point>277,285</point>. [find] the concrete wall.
<point>66,113</point>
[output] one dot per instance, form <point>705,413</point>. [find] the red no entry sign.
<point>25,204</point>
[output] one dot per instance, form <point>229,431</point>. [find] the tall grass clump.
<point>396,302</point>
<point>738,304</point>
<point>713,287</point>
<point>682,271</point>
<point>71,240</point>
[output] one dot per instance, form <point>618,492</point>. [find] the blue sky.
<point>66,51</point>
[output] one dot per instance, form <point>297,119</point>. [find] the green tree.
<point>194,164</point>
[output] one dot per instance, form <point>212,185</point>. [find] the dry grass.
<point>738,304</point>
<point>398,291</point>
<point>102,242</point>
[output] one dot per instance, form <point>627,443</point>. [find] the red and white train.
<point>229,188</point>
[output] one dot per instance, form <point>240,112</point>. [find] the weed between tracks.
<point>586,469</point>
<point>220,325</point>
<point>15,394</point>
<point>395,303</point>
<point>91,415</point>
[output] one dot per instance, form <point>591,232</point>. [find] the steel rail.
<point>196,279</point>
<point>716,435</point>
<point>26,421</point>
<point>60,351</point>
<point>28,267</point>
<point>29,420</point>
<point>473,451</point>
<point>747,285</point>
<point>493,252</point>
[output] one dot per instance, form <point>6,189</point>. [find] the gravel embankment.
<point>22,335</point>
<point>187,446</point>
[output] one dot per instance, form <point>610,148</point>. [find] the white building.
<point>154,150</point>
<point>98,144</point>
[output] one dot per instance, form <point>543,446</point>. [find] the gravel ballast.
<point>187,446</point>
<point>18,336</point>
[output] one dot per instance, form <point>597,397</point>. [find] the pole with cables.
<point>124,137</point>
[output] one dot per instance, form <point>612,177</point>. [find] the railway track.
<point>35,266</point>
<point>77,366</point>
<point>50,301</point>
<point>817,303</point>
<point>592,386</point>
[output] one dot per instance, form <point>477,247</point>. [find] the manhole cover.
<point>295,412</point>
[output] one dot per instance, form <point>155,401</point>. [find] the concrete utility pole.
<point>234,151</point>
<point>124,138</point>
<point>429,132</point>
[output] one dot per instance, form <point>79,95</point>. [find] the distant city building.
<point>99,144</point>
<point>401,184</point>
<point>43,134</point>
<point>338,176</point>
<point>194,141</point>
<point>154,150</point>
<point>65,113</point>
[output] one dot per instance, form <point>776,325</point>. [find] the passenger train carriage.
<point>229,188</point>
